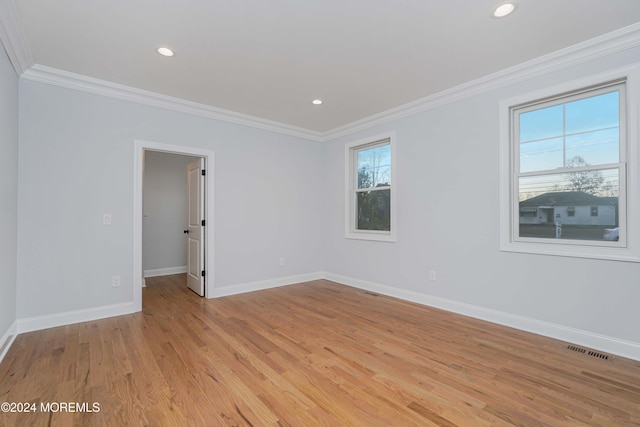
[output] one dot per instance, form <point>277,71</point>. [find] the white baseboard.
<point>580,337</point>
<point>7,339</point>
<point>165,271</point>
<point>603,343</point>
<point>37,323</point>
<point>264,284</point>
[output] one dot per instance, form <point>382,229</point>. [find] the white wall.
<point>280,196</point>
<point>8,193</point>
<point>448,163</point>
<point>76,163</point>
<point>164,245</point>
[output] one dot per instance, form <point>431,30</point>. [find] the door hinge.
<point>203,221</point>
<point>203,273</point>
<point>204,172</point>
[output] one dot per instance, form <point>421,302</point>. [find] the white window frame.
<point>628,247</point>
<point>351,184</point>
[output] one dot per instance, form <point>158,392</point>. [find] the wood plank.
<point>312,354</point>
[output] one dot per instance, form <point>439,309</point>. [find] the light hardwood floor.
<point>310,354</point>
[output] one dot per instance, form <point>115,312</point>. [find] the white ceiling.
<point>269,59</point>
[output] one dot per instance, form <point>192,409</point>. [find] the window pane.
<point>577,205</point>
<point>374,166</point>
<point>594,148</point>
<point>374,210</point>
<point>594,113</point>
<point>541,124</point>
<point>541,155</point>
<point>578,133</point>
<point>602,183</point>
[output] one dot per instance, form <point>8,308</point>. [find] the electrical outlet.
<point>432,275</point>
<point>115,281</point>
<point>282,261</point>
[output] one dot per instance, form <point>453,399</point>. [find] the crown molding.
<point>56,77</point>
<point>616,41</point>
<point>12,37</point>
<point>17,49</point>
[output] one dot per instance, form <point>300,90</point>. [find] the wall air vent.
<point>588,352</point>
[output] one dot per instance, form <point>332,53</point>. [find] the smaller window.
<point>571,211</point>
<point>594,211</point>
<point>369,179</point>
<point>528,212</point>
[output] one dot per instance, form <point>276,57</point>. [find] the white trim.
<point>138,168</point>
<point>12,37</point>
<point>17,49</point>
<point>599,342</point>
<point>47,321</point>
<point>55,77</point>
<point>349,170</point>
<point>603,343</point>
<point>7,339</point>
<point>155,272</point>
<point>615,41</point>
<point>265,284</point>
<point>508,217</point>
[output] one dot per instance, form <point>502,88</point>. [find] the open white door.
<point>195,230</point>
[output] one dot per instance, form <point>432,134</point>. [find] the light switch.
<point>106,219</point>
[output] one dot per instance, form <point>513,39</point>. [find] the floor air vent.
<point>588,352</point>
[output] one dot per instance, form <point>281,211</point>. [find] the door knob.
<point>185,231</point>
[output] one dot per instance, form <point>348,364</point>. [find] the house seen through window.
<point>568,166</point>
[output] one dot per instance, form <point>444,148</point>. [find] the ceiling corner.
<point>12,37</point>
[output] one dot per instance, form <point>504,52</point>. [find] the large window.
<point>369,201</point>
<point>566,160</point>
<point>567,155</point>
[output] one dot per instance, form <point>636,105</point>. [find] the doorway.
<point>140,150</point>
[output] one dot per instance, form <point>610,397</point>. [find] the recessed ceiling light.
<point>317,102</point>
<point>504,10</point>
<point>165,51</point>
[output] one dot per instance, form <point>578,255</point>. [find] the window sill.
<point>379,237</point>
<point>611,253</point>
